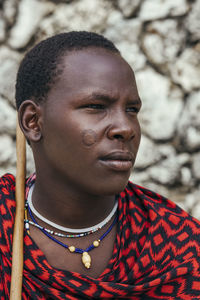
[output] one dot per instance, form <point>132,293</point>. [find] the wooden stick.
<point>17,251</point>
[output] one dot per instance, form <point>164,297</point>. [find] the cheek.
<point>138,130</point>
<point>89,137</point>
<point>137,137</point>
<point>138,134</point>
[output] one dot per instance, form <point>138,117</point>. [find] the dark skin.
<point>84,137</point>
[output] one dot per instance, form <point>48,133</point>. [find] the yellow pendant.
<point>86,260</point>
<point>71,248</point>
<point>96,243</point>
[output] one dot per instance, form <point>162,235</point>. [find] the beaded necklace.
<point>52,232</point>
<point>84,231</point>
<point>86,258</point>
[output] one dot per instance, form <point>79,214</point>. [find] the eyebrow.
<point>106,98</point>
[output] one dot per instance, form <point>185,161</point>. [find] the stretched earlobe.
<point>30,120</point>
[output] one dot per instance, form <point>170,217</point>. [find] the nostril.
<point>120,132</point>
<point>118,136</point>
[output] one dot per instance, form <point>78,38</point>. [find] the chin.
<point>117,189</point>
<point>113,186</point>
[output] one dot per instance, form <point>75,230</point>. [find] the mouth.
<point>118,160</point>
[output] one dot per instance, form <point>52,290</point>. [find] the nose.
<point>121,128</point>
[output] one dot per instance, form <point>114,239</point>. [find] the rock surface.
<point>2,28</point>
<point>186,70</point>
<point>128,7</point>
<point>196,166</point>
<point>10,11</point>
<point>6,148</point>
<point>7,117</point>
<point>162,42</point>
<point>162,105</point>
<point>78,15</point>
<point>31,13</point>
<point>193,21</point>
<point>125,34</point>
<point>148,154</point>
<point>167,172</point>
<point>189,124</point>
<point>157,9</point>
<point>9,61</point>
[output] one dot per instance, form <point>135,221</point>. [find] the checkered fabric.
<point>156,253</point>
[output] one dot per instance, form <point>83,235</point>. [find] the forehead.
<point>91,69</point>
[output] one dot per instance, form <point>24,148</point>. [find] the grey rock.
<point>186,70</point>
<point>128,7</point>
<point>30,14</point>
<point>125,34</point>
<point>167,172</point>
<point>162,42</point>
<point>189,124</point>
<point>166,150</point>
<point>155,187</point>
<point>148,160</point>
<point>9,61</point>
<point>10,11</point>
<point>30,166</point>
<point>186,178</point>
<point>191,139</point>
<point>162,105</point>
<point>2,28</point>
<point>7,169</point>
<point>79,15</point>
<point>156,9</point>
<point>119,29</point>
<point>133,55</point>
<point>148,154</point>
<point>184,159</point>
<point>196,210</point>
<point>7,117</point>
<point>139,177</point>
<point>196,166</point>
<point>6,149</point>
<point>193,21</point>
<point>192,203</point>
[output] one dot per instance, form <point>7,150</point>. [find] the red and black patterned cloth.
<point>156,253</point>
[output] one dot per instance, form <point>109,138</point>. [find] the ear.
<point>30,120</point>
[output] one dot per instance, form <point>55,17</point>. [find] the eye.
<point>132,109</point>
<point>95,106</point>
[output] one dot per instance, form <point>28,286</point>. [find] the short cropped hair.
<point>38,70</point>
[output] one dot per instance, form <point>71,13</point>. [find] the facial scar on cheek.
<point>89,137</point>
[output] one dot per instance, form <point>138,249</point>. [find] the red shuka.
<point>156,253</point>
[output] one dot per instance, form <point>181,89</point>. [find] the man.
<point>89,233</point>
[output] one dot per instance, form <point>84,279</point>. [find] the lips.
<point>118,160</point>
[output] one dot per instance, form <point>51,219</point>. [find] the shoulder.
<point>160,209</point>
<point>172,234</point>
<point>7,196</point>
<point>7,182</point>
<point>7,212</point>
<point>7,188</point>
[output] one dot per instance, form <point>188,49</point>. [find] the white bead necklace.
<point>65,229</point>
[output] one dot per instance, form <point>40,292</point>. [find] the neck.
<point>67,206</point>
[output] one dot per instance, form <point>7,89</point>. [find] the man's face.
<point>91,133</point>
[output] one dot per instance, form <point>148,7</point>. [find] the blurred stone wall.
<point>160,40</point>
